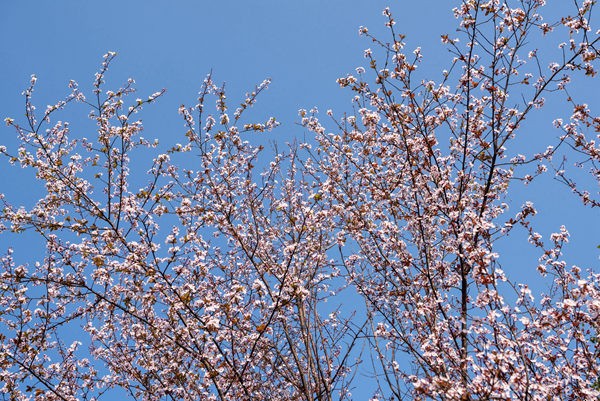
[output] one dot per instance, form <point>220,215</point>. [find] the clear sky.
<point>302,45</point>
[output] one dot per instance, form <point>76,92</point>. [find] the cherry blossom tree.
<point>369,250</point>
<point>421,172</point>
<point>198,284</point>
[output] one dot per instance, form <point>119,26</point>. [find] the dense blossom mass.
<point>219,276</point>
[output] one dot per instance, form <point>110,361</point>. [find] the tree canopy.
<point>365,255</point>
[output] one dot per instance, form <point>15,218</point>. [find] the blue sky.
<point>302,45</point>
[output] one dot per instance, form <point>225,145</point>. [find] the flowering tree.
<point>220,305</point>
<point>220,278</point>
<point>421,172</point>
